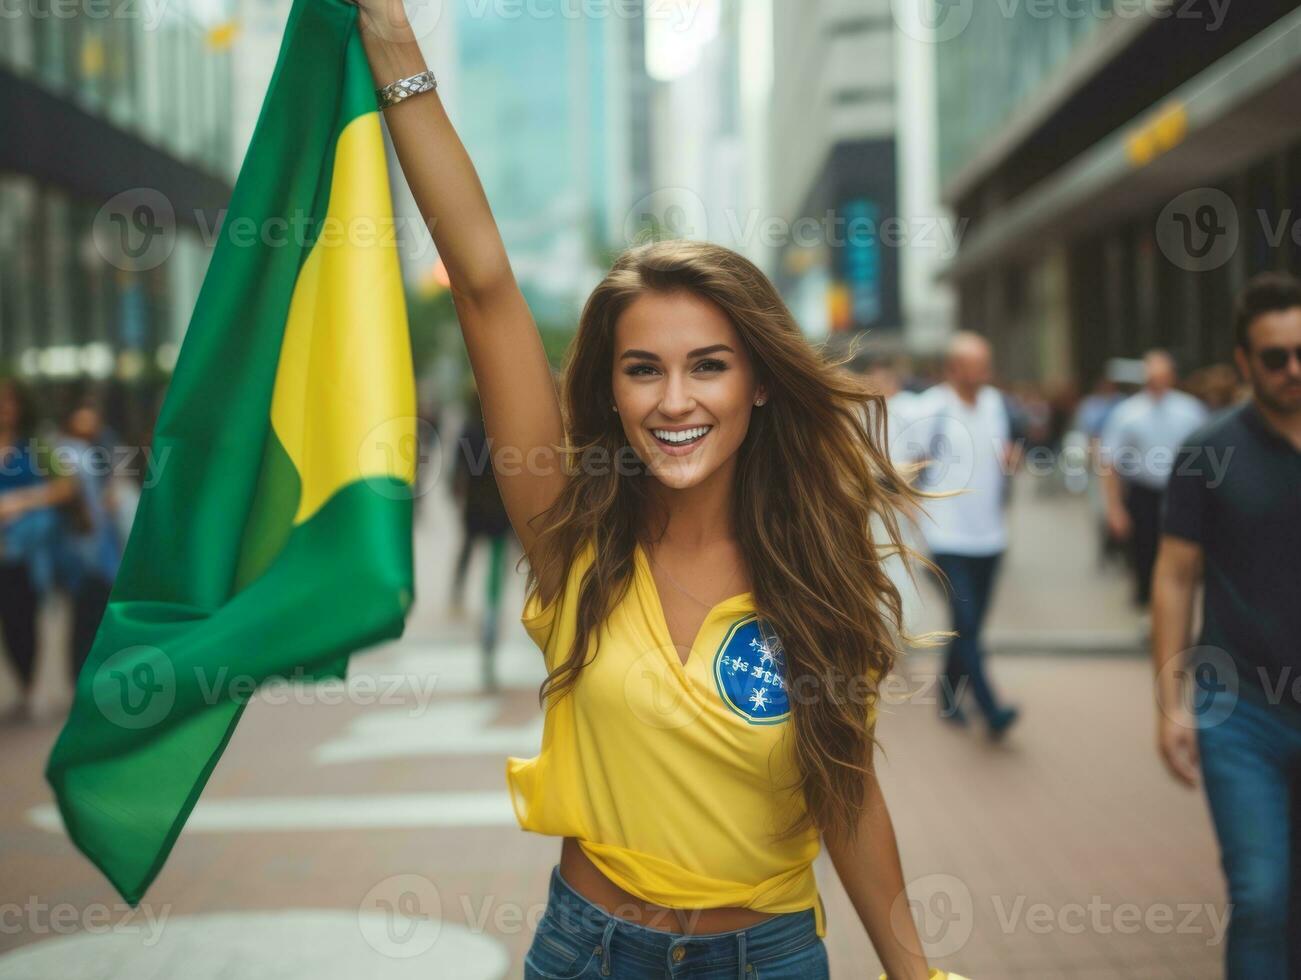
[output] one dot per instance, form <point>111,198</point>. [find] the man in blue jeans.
<point>1233,519</point>
<point>964,430</point>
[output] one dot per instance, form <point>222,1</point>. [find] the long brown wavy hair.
<point>815,501</point>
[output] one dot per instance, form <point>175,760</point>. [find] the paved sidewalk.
<point>374,838</point>
<point>1051,594</point>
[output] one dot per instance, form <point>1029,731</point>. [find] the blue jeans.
<point>578,939</point>
<point>1251,767</point>
<point>971,583</point>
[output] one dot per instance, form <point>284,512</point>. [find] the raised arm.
<point>521,408</point>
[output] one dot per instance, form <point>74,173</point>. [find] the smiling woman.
<point>684,392</point>
<point>714,620</point>
<point>759,605</point>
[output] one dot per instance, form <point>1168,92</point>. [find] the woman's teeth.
<point>681,437</point>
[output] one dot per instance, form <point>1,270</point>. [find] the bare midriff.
<point>587,879</point>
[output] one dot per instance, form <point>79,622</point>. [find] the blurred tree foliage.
<point>435,334</point>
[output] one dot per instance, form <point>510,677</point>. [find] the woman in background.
<point>30,490</point>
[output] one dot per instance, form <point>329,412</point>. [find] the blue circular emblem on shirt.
<point>750,672</point>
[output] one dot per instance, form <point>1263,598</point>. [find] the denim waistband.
<point>785,932</point>
<point>1246,702</point>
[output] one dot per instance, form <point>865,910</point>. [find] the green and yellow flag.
<point>277,539</point>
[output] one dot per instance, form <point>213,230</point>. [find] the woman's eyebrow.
<point>646,355</point>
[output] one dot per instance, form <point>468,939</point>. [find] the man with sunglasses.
<point>1233,520</point>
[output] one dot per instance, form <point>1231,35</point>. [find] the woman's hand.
<point>12,506</point>
<point>389,41</point>
<point>382,18</point>
<point>49,493</point>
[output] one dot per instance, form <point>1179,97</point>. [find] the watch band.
<point>404,88</point>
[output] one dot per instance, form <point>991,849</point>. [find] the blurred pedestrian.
<point>1233,523</point>
<point>963,427</point>
<point>30,490</point>
<point>1035,412</point>
<point>1138,446</point>
<point>483,518</point>
<point>883,376</point>
<point>1096,407</point>
<point>1090,419</point>
<point>428,429</point>
<point>91,544</point>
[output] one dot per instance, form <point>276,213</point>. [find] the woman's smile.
<point>680,440</point>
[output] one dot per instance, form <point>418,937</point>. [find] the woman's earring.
<point>761,399</point>
<point>615,409</point>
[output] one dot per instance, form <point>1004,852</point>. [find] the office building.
<point>1122,174</point>
<point>834,179</point>
<point>114,162</point>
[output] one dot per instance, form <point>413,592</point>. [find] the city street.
<point>373,836</point>
<point>260,262</point>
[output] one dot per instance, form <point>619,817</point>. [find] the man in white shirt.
<point>964,428</point>
<point>1138,447</point>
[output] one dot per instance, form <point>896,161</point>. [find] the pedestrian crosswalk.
<point>483,808</point>
<point>389,943</point>
<point>440,729</point>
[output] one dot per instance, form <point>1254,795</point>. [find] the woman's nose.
<point>677,399</point>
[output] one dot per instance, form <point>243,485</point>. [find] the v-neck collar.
<point>742,602</point>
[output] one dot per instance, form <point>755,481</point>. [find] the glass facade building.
<point>562,145</point>
<point>1003,57</point>
<point>1119,177</point>
<point>99,98</point>
<point>151,70</point>
<point>834,148</point>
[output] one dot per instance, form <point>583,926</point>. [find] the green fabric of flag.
<point>276,540</point>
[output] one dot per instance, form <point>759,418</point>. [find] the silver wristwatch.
<point>404,88</point>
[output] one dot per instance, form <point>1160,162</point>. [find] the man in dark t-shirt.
<point>1232,520</point>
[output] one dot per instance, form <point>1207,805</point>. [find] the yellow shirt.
<point>671,776</point>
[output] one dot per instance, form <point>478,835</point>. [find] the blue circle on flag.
<point>750,672</point>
